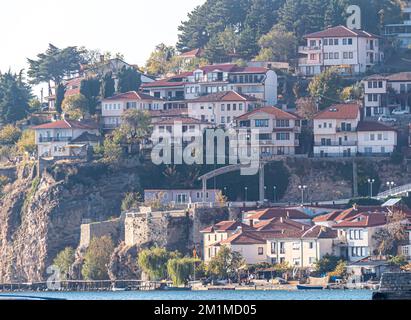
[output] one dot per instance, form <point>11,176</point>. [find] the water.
<point>210,295</point>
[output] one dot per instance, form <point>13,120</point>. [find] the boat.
<point>309,287</point>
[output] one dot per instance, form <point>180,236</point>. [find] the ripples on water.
<point>211,295</point>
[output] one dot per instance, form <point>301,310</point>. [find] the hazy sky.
<point>132,27</point>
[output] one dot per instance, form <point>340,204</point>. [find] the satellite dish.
<point>354,20</point>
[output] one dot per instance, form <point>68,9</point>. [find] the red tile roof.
<point>73,86</point>
<point>224,226</point>
<point>373,126</point>
<point>244,238</point>
<point>340,31</point>
<point>280,224</point>
<point>278,113</point>
<point>192,53</point>
<point>132,95</point>
<point>363,220</point>
<point>174,81</point>
<point>327,217</point>
<point>270,213</point>
<point>224,96</point>
<point>68,124</point>
<point>401,76</point>
<point>340,111</point>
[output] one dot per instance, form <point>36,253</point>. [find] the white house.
<point>221,108</point>
<point>401,30</point>
<point>375,138</point>
<point>258,82</point>
<point>351,51</point>
<point>279,131</point>
<point>335,131</point>
<point>65,138</point>
<point>114,107</point>
<point>181,196</point>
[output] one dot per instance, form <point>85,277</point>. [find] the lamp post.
<point>275,194</point>
<point>371,182</point>
<point>246,190</point>
<point>265,192</point>
<point>390,185</point>
<point>302,188</point>
<point>225,191</point>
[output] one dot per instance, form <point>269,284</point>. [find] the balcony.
<point>339,129</point>
<point>54,139</point>
<point>337,144</point>
<point>306,49</point>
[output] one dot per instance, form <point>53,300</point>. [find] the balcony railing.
<point>337,144</point>
<point>308,48</point>
<point>339,129</point>
<point>55,139</point>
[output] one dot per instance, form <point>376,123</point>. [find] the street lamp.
<point>275,194</point>
<point>246,189</point>
<point>265,192</point>
<point>371,182</point>
<point>302,188</point>
<point>390,185</point>
<point>225,191</point>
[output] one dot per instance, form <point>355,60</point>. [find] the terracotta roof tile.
<point>224,96</point>
<point>364,220</point>
<point>244,238</point>
<point>340,31</point>
<point>67,124</point>
<point>224,226</point>
<point>132,95</point>
<point>278,113</point>
<point>270,213</point>
<point>340,111</point>
<point>373,126</point>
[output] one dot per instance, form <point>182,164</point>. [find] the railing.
<point>395,191</point>
<point>308,48</point>
<point>337,144</point>
<point>55,139</point>
<point>339,129</point>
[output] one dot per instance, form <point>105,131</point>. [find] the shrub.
<point>64,260</point>
<point>97,258</point>
<point>180,270</point>
<point>154,262</point>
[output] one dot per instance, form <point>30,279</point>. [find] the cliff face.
<point>41,216</point>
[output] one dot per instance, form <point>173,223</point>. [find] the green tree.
<point>261,16</point>
<point>15,96</point>
<point>214,50</point>
<point>226,263</point>
<point>129,79</point>
<point>398,261</point>
<point>326,88</point>
<point>327,263</point>
<point>90,89</point>
<point>247,44</point>
<point>154,262</point>
<point>132,200</point>
<point>278,45</point>
<point>180,270</point>
<point>136,125</point>
<point>160,60</point>
<point>97,258</point>
<point>60,93</point>
<point>112,149</point>
<point>108,86</point>
<point>64,260</point>
<point>9,135</point>
<point>76,106</point>
<point>26,143</point>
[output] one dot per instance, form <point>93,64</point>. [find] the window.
<point>234,107</point>
<point>240,107</point>
<point>369,84</point>
<point>261,123</point>
<point>282,123</point>
<point>260,251</point>
<point>311,245</point>
<point>222,119</point>
<point>326,56</point>
<point>336,55</point>
<point>345,55</point>
<point>273,247</point>
<point>222,107</point>
<point>282,247</point>
<point>228,107</point>
<point>326,42</point>
<point>283,136</point>
<point>345,41</point>
<point>296,261</point>
<point>296,246</point>
<point>336,42</point>
<point>350,41</point>
<point>372,137</point>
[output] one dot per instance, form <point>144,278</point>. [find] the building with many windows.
<point>351,51</point>
<point>401,31</point>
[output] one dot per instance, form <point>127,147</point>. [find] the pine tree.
<point>129,79</point>
<point>60,93</point>
<point>90,88</point>
<point>108,86</point>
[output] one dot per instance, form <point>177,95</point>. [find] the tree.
<point>278,45</point>
<point>226,263</point>
<point>306,108</point>
<point>108,86</point>
<point>340,270</point>
<point>64,260</point>
<point>353,92</point>
<point>112,150</point>
<point>261,16</point>
<point>136,125</point>
<point>131,200</point>
<point>327,263</point>
<point>247,44</point>
<point>129,79</point>
<point>60,93</point>
<point>76,106</point>
<point>154,262</point>
<point>325,88</point>
<point>180,270</point>
<point>214,50</point>
<point>90,89</point>
<point>160,60</point>
<point>97,258</point>
<point>54,65</point>
<point>9,135</point>
<point>399,261</point>
<point>26,143</point>
<point>15,96</point>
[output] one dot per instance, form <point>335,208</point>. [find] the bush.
<point>64,260</point>
<point>399,261</point>
<point>397,157</point>
<point>154,262</point>
<point>9,135</point>
<point>364,202</point>
<point>97,258</point>
<point>326,264</point>
<point>132,200</point>
<point>181,270</point>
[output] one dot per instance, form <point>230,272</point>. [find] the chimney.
<point>282,231</point>
<point>288,215</point>
<point>303,228</point>
<point>102,59</point>
<point>251,223</point>
<point>281,220</point>
<point>354,206</point>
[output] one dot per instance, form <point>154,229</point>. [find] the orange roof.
<point>340,111</point>
<point>132,95</point>
<point>224,96</point>
<point>328,217</point>
<point>270,213</point>
<point>280,224</point>
<point>340,31</point>
<point>244,238</point>
<point>364,220</point>
<point>224,226</point>
<point>67,124</point>
<point>192,53</point>
<point>278,113</point>
<point>373,126</point>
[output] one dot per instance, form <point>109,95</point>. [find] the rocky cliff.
<point>41,216</point>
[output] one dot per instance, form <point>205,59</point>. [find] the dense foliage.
<point>154,262</point>
<point>97,258</point>
<point>64,260</point>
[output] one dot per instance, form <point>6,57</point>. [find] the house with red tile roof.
<point>350,51</point>
<point>114,107</point>
<point>258,82</point>
<point>335,131</point>
<point>293,214</point>
<point>279,131</point>
<point>221,109</point>
<point>65,138</point>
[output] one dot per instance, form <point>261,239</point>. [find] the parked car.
<point>399,112</point>
<point>386,119</point>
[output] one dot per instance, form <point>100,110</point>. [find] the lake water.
<point>210,295</point>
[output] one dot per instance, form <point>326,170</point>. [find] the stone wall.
<point>99,229</point>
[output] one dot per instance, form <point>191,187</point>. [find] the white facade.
<point>375,90</point>
<point>352,51</point>
<point>180,197</point>
<point>376,142</point>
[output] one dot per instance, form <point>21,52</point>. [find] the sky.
<point>131,27</point>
